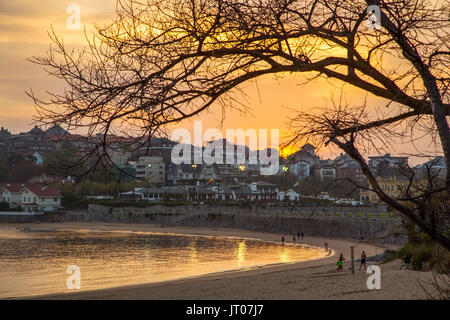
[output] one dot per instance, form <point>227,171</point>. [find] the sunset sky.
<point>23,33</point>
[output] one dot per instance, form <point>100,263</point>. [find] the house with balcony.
<point>191,174</point>
<point>32,197</point>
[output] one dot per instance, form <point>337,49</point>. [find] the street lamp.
<point>285,169</point>
<point>242,169</point>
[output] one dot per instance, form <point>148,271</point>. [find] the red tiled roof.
<point>38,189</point>
<point>12,187</point>
<point>66,137</point>
<point>43,191</point>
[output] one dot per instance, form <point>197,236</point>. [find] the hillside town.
<point>37,174</point>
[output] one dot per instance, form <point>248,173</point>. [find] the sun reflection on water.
<point>33,263</point>
<point>241,253</point>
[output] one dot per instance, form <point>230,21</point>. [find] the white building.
<point>11,193</point>
<point>301,169</point>
<point>289,195</point>
<point>31,197</point>
<point>151,169</point>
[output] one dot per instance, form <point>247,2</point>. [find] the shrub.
<point>424,256</point>
<point>4,206</point>
<point>421,255</point>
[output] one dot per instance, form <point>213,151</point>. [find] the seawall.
<point>382,227</point>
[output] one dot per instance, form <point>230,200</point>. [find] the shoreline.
<point>311,279</point>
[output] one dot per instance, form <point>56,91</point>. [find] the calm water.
<point>35,262</point>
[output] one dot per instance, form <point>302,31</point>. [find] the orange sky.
<point>23,27</point>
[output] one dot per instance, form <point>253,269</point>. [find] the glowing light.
<point>193,254</point>
<point>242,249</point>
<point>284,256</point>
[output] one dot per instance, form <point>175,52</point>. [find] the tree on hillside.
<point>4,169</point>
<point>161,62</point>
<point>61,163</point>
<point>23,171</point>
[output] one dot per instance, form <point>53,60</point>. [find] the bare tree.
<point>423,198</point>
<point>161,62</point>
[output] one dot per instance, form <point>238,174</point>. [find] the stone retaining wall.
<point>335,223</point>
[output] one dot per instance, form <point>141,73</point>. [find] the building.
<point>162,193</point>
<point>391,185</point>
<point>326,170</point>
<point>288,195</point>
<point>264,190</point>
<point>306,153</point>
<point>32,141</point>
<point>41,198</point>
<point>257,191</point>
<point>347,168</point>
<point>31,197</point>
<point>229,174</point>
<point>151,169</point>
<point>118,157</point>
<point>302,162</point>
<point>351,171</point>
<point>11,193</point>
<point>388,161</point>
<point>434,166</point>
<point>301,169</point>
<point>393,182</point>
<point>66,141</point>
<point>190,174</point>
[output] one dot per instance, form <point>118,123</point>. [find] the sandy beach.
<point>316,279</point>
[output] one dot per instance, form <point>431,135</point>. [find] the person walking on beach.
<point>326,246</point>
<point>340,263</point>
<point>302,235</point>
<point>298,235</point>
<point>282,239</point>
<point>363,260</point>
<point>293,239</point>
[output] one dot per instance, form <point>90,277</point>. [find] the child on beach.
<point>340,262</point>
